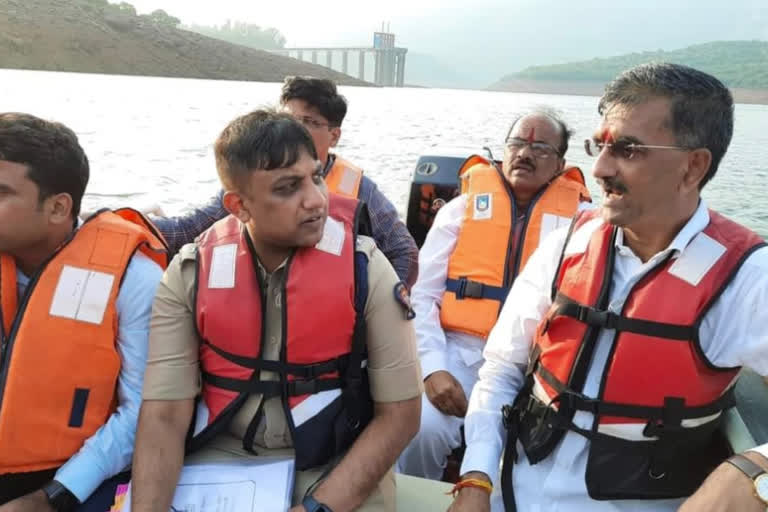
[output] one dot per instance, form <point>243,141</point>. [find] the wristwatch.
<point>757,474</point>
<point>59,497</point>
<point>312,505</point>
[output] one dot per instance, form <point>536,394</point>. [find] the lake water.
<point>150,139</point>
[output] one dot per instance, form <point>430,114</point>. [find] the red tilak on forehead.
<point>607,137</point>
<point>532,135</point>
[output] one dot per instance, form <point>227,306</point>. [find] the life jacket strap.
<point>465,288</point>
<point>564,306</point>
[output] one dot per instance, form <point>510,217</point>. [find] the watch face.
<point>761,487</point>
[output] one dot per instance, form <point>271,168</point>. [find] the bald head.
<point>542,117</point>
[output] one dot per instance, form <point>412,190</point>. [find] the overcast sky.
<point>487,39</point>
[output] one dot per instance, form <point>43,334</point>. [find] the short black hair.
<point>319,93</point>
<point>261,140</point>
<point>565,131</point>
<point>55,161</point>
<point>701,113</point>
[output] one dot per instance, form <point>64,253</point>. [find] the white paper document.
<point>263,484</point>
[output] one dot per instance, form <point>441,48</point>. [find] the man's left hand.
<point>727,489</point>
<point>33,502</point>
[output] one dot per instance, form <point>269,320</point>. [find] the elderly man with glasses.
<point>477,245</point>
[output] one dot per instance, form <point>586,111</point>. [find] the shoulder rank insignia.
<point>403,297</point>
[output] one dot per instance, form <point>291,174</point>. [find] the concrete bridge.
<point>388,60</point>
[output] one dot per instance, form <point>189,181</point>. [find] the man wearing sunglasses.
<point>618,346</point>
<point>316,103</point>
<point>475,248</point>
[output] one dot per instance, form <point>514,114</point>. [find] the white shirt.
<point>427,293</point>
<point>733,333</point>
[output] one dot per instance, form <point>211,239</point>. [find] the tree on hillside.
<point>245,34</point>
<point>161,18</point>
<point>126,8</point>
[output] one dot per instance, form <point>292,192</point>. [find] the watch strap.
<point>59,497</point>
<point>312,505</point>
<point>746,466</point>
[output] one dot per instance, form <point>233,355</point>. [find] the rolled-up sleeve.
<point>393,363</point>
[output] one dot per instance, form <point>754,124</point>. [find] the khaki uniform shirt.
<point>173,370</point>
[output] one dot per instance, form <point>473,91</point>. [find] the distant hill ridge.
<point>93,36</point>
<point>741,65</point>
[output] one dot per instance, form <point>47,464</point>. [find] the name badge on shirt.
<point>483,207</point>
<point>82,294</point>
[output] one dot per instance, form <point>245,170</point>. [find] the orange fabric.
<point>483,250</point>
<point>8,292</point>
<point>344,178</point>
<point>468,164</point>
<point>51,357</point>
<point>561,198</point>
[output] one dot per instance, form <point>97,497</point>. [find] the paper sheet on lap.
<point>260,484</point>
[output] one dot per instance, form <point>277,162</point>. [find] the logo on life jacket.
<point>483,207</point>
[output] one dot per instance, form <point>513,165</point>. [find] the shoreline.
<point>576,88</point>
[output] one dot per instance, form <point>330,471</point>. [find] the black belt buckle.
<point>474,289</point>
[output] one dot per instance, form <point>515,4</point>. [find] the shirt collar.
<point>695,225</point>
<point>329,164</point>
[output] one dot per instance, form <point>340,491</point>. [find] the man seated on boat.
<point>316,103</point>
<point>477,244</point>
<point>286,288</point>
<point>76,301</point>
<point>619,344</point>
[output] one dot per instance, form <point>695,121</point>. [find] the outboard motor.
<point>435,182</point>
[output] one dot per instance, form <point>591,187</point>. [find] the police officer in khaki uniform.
<point>274,187</point>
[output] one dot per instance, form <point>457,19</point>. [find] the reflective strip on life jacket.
<point>60,352</point>
<point>344,178</point>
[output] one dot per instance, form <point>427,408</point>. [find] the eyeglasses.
<point>622,149</point>
<point>312,123</point>
<point>540,150</point>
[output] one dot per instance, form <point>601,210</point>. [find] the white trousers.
<point>440,434</point>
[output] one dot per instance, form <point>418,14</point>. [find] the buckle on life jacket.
<point>596,317</point>
<point>467,288</point>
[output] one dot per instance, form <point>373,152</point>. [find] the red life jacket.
<point>322,380</point>
<point>660,399</point>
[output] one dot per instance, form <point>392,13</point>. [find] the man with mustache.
<point>617,349</point>
<point>280,329</point>
<point>478,243</point>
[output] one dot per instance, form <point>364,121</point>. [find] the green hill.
<point>739,64</point>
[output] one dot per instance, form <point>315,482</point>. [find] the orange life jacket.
<point>482,267</point>
<point>323,383</point>
<point>660,398</point>
<point>344,178</point>
<point>59,365</point>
